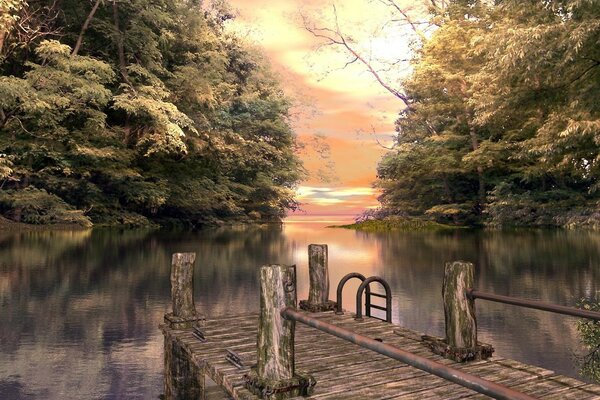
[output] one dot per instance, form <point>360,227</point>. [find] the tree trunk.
<point>2,36</point>
<point>475,146</point>
<point>84,28</point>
<point>120,47</point>
<point>274,376</point>
<point>318,294</point>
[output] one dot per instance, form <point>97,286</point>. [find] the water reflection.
<point>80,309</point>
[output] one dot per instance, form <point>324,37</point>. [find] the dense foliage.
<point>503,121</point>
<point>136,111</point>
<point>589,331</point>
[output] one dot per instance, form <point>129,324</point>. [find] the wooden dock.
<point>346,371</point>
<point>324,352</point>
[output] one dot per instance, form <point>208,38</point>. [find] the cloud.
<point>336,200</point>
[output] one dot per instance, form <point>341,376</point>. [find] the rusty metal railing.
<point>535,304</point>
<point>459,377</point>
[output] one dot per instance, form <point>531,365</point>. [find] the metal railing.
<point>388,299</point>
<point>538,305</point>
<point>451,374</point>
<point>340,289</point>
<point>365,287</point>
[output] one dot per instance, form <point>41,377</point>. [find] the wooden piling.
<point>459,310</point>
<point>459,313</point>
<point>182,284</point>
<point>183,379</point>
<point>276,334</point>
<point>274,376</point>
<point>318,271</point>
<point>184,313</point>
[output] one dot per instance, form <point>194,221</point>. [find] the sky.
<point>341,110</point>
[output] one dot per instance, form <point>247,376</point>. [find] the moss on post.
<point>274,376</point>
<point>318,294</point>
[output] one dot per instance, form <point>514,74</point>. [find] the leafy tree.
<point>502,124</point>
<point>147,110</point>
<point>500,118</point>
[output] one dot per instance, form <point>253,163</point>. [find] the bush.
<point>589,330</point>
<point>38,207</point>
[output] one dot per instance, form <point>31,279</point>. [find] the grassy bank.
<point>400,224</point>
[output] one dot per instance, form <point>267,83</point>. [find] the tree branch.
<point>120,47</point>
<point>84,28</point>
<point>336,36</point>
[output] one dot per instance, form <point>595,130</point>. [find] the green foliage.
<point>589,331</point>
<point>160,116</point>
<point>5,167</point>
<point>8,13</point>
<point>504,117</point>
<point>35,206</point>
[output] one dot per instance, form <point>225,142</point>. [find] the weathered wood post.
<point>274,376</point>
<point>318,271</point>
<point>459,313</point>
<point>459,310</point>
<point>183,380</point>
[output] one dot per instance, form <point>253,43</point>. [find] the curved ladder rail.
<point>388,299</point>
<point>340,288</point>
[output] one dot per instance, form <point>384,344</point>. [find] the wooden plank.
<point>346,371</point>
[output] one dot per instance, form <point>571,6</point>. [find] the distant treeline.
<point>502,124</point>
<point>131,112</point>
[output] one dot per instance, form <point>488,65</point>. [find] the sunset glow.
<point>345,105</point>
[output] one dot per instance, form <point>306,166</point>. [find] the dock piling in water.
<point>459,313</point>
<point>459,310</point>
<point>318,271</point>
<point>274,376</point>
<point>184,313</point>
<point>182,284</point>
<point>183,379</point>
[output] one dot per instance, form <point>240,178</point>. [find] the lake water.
<point>79,311</point>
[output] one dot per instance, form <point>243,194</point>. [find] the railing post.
<point>459,313</point>
<point>318,294</point>
<point>183,379</point>
<point>274,376</point>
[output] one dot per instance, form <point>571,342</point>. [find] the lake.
<point>80,309</point>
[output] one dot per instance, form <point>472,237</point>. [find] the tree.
<point>500,119</point>
<point>193,127</point>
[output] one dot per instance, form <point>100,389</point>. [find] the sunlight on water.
<point>80,310</point>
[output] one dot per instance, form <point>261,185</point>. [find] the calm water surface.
<point>79,311</point>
